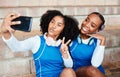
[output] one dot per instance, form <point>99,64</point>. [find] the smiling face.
<point>91,24</point>
<point>55,27</point>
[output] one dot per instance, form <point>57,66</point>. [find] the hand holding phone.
<point>26,23</point>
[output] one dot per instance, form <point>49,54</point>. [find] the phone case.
<point>26,23</point>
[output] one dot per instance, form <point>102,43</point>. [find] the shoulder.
<point>98,42</point>
<point>73,44</point>
<point>36,43</point>
<point>35,39</point>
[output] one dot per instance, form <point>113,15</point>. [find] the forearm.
<point>68,62</point>
<point>98,56</point>
<point>11,41</point>
<point>16,45</point>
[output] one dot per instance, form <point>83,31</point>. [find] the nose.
<point>54,25</point>
<point>87,24</point>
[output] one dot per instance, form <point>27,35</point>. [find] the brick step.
<point>22,75</point>
<point>19,66</point>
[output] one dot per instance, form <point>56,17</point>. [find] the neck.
<point>84,36</point>
<point>54,37</point>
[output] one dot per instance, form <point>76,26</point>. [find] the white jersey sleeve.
<point>32,43</point>
<point>98,55</point>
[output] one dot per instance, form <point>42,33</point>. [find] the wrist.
<point>65,54</point>
<point>6,34</point>
<point>102,43</point>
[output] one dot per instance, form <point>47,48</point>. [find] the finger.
<point>91,35</point>
<point>9,15</point>
<point>15,16</point>
<point>63,40</point>
<point>88,34</point>
<point>12,16</point>
<point>15,23</point>
<point>68,42</point>
<point>95,35</point>
<point>10,29</point>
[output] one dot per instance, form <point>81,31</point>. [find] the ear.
<point>102,27</point>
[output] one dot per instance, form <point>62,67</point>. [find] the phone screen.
<point>26,23</point>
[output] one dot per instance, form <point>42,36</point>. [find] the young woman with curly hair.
<point>49,62</point>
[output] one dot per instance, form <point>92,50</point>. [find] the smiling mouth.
<point>85,29</point>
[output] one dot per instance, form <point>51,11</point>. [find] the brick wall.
<point>21,64</point>
<point>77,8</point>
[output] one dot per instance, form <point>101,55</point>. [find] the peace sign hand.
<point>64,48</point>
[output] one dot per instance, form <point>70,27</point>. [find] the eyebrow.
<point>53,19</point>
<point>58,22</point>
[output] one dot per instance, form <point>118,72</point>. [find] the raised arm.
<point>68,62</point>
<point>98,54</point>
<point>10,40</point>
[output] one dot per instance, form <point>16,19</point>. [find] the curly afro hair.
<point>47,17</point>
<point>70,31</point>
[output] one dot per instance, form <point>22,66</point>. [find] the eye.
<point>59,25</point>
<point>52,21</point>
<point>87,20</point>
<point>93,25</point>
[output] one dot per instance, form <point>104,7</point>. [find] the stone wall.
<point>21,64</point>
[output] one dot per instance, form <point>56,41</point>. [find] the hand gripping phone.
<point>26,23</point>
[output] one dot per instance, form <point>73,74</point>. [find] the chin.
<point>83,32</point>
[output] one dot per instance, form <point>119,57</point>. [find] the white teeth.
<point>85,29</point>
<point>51,30</point>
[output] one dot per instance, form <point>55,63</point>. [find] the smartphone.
<point>26,23</point>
